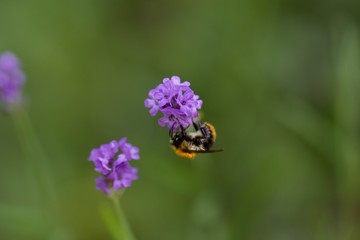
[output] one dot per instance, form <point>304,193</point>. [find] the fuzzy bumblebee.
<point>188,144</point>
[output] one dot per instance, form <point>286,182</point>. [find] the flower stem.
<point>123,224</point>
<point>37,161</point>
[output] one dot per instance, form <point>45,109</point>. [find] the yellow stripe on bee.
<point>212,130</point>
<point>180,152</point>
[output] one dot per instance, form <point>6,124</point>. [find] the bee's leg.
<point>196,125</point>
<point>171,131</point>
<point>204,130</point>
<point>200,126</point>
<point>184,134</point>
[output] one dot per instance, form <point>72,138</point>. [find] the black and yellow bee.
<point>188,144</point>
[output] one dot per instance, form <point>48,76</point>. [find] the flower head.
<point>117,173</point>
<point>176,101</point>
<point>11,79</point>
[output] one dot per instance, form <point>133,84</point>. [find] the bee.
<point>188,144</point>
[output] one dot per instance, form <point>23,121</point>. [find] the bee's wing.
<point>207,151</point>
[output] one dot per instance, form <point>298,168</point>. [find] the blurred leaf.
<point>347,116</point>
<point>308,124</point>
<point>25,221</point>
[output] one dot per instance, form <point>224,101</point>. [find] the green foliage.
<point>279,81</point>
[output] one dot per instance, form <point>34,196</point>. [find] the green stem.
<point>37,161</point>
<point>124,225</point>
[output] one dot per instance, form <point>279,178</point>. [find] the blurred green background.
<point>279,80</point>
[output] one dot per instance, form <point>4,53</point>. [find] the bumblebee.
<point>188,144</point>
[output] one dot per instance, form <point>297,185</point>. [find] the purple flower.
<point>117,173</point>
<point>129,150</point>
<point>11,78</point>
<point>123,175</point>
<point>102,184</point>
<point>176,101</point>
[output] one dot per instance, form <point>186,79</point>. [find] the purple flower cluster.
<point>176,101</point>
<point>11,78</point>
<point>117,173</point>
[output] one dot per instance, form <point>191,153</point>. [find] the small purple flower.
<point>129,150</point>
<point>11,79</point>
<point>102,184</point>
<point>176,101</point>
<point>123,175</point>
<point>117,173</point>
